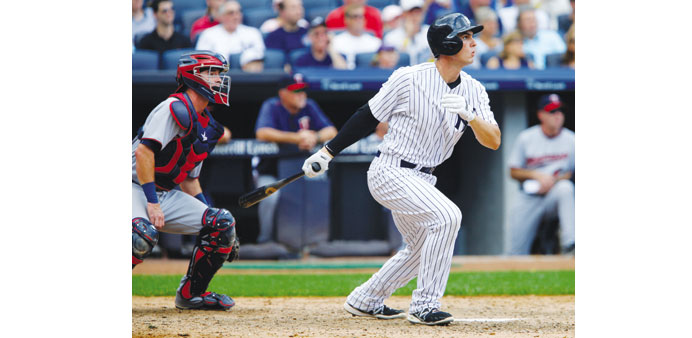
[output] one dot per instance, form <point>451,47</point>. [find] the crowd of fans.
<point>533,34</point>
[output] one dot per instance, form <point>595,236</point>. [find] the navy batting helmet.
<point>190,68</point>
<point>442,34</point>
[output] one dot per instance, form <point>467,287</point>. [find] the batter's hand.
<point>457,104</point>
<point>322,157</point>
<point>155,215</point>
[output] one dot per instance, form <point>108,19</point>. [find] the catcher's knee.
<point>219,233</point>
<point>144,239</point>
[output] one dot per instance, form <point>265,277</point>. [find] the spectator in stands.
<point>487,40</point>
<point>289,36</point>
<point>231,36</point>
<point>542,161</point>
<point>387,57</point>
<point>537,42</point>
<point>321,52</point>
<point>143,20</point>
<point>567,59</point>
<point>252,61</point>
<point>208,20</point>
<point>164,37</point>
<point>436,8</point>
<point>512,55</point>
<point>272,24</point>
<point>565,21</point>
<point>391,18</point>
<point>509,16</point>
<point>354,40</point>
<point>290,118</point>
<point>336,19</point>
<point>411,36</point>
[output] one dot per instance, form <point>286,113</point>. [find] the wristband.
<point>200,197</point>
<point>150,192</point>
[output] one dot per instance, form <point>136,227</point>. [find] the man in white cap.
<point>391,18</point>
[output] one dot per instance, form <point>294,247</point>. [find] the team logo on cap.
<point>553,98</point>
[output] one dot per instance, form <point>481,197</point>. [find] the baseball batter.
<point>167,156</point>
<point>428,107</point>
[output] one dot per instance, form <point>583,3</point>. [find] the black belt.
<point>406,164</point>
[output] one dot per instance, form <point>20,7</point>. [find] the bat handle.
<point>316,167</point>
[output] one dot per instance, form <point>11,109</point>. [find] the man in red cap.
<point>543,162</point>
<point>290,118</point>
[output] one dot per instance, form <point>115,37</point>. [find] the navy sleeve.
<point>265,117</point>
<point>361,124</point>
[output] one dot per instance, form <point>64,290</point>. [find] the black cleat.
<point>205,301</point>
<point>384,312</point>
<point>430,317</point>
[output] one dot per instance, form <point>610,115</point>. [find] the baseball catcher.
<point>167,156</point>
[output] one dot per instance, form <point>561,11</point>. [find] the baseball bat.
<point>265,191</point>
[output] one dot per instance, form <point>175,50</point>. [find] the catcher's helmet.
<point>190,66</point>
<point>442,34</point>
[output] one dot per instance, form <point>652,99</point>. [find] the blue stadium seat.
<point>182,6</point>
<point>251,4</point>
<point>295,54</point>
<point>170,58</point>
<point>381,3</point>
<point>234,61</point>
<point>189,17</point>
<point>404,60</point>
<point>553,60</point>
<point>145,60</point>
<point>307,4</point>
<point>255,17</point>
<point>313,12</point>
<point>364,59</point>
<point>274,59</point>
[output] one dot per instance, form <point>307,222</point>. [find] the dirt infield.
<point>525,316</point>
<point>501,316</point>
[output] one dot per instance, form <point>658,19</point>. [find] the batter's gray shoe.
<point>430,317</point>
<point>205,301</point>
<point>384,312</point>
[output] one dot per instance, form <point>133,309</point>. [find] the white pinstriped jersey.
<point>420,130</point>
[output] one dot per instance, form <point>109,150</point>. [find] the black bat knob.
<point>316,167</point>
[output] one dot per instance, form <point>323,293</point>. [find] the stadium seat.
<point>252,4</point>
<point>189,18</point>
<point>380,4</point>
<point>255,17</point>
<point>553,60</point>
<point>295,54</point>
<point>145,60</point>
<point>181,6</point>
<point>307,4</point>
<point>274,59</point>
<point>170,58</point>
<point>234,61</point>
<point>364,59</point>
<point>313,12</point>
<point>404,60</point>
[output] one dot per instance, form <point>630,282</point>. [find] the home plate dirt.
<point>499,316</point>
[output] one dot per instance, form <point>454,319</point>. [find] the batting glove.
<point>457,104</point>
<point>322,158</point>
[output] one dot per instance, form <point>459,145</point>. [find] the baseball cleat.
<point>205,301</point>
<point>384,312</point>
<point>430,317</point>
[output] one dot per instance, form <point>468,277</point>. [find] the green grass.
<point>459,284</point>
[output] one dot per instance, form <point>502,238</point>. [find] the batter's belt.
<point>405,164</point>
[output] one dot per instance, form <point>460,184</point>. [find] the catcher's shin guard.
<point>214,245</point>
<point>144,239</point>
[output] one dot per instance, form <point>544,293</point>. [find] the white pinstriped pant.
<point>429,223</point>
